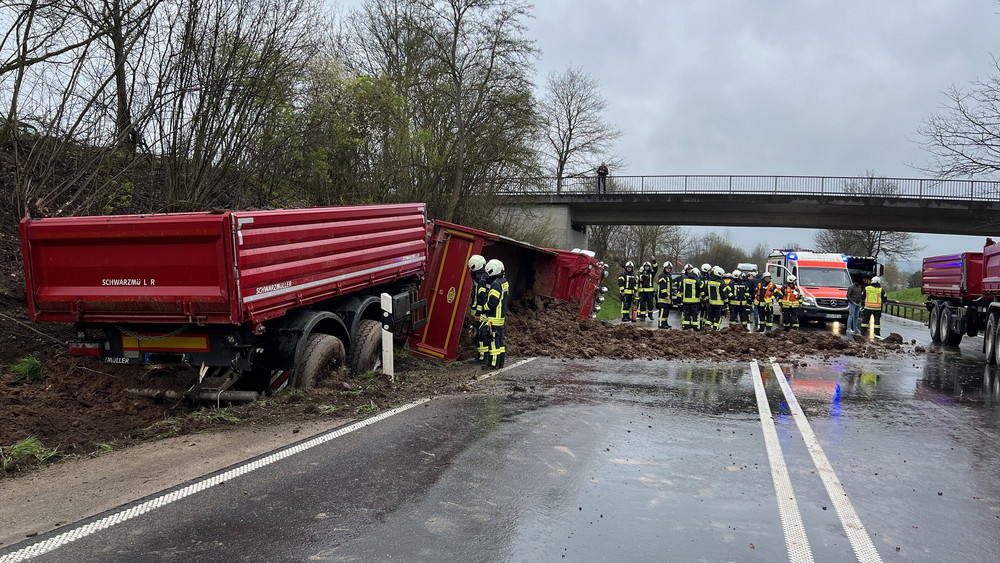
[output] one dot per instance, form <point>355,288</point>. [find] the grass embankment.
<point>910,295</point>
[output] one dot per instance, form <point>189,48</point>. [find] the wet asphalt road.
<point>614,461</point>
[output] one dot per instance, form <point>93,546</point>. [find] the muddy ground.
<point>79,407</point>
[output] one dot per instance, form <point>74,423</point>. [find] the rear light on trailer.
<point>85,349</point>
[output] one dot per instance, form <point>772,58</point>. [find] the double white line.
<point>791,520</point>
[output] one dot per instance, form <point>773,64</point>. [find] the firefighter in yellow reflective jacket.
<point>791,300</point>
<point>874,298</point>
<point>691,290</point>
<point>627,286</point>
<point>477,303</point>
<point>647,289</point>
<point>496,312</point>
<point>739,301</point>
<point>664,295</point>
<point>763,300</point>
<point>706,274</point>
<point>716,301</point>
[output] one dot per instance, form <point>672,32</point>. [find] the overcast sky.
<point>782,87</point>
<point>773,87</point>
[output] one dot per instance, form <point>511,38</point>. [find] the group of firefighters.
<point>705,296</point>
<point>488,303</point>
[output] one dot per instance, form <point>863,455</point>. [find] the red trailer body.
<point>953,275</point>
<point>229,268</point>
<point>578,277</point>
<point>963,296</point>
<point>561,274</point>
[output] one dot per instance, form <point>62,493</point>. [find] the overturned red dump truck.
<point>568,275</point>
<point>963,296</point>
<point>263,298</point>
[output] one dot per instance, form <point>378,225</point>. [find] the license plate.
<point>830,316</point>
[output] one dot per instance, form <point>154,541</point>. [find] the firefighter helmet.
<point>726,275</point>
<point>706,267</point>
<point>688,267</point>
<point>737,274</point>
<point>476,263</point>
<point>494,268</point>
<point>668,266</point>
<point>646,264</point>
<point>876,280</point>
<point>629,264</point>
<point>766,275</point>
<point>792,279</point>
<point>718,271</point>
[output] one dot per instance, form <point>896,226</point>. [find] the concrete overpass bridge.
<point>966,207</point>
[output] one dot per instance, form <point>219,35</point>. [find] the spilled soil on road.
<point>79,407</point>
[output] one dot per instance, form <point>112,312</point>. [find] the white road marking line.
<point>864,549</point>
<point>85,530</point>
<point>791,520</point>
<point>503,369</point>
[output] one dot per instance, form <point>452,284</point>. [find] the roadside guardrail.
<point>907,310</point>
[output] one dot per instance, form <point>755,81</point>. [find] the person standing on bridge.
<point>874,298</point>
<point>602,178</point>
<point>647,289</point>
<point>627,286</point>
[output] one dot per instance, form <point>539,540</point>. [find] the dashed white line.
<point>864,549</point>
<point>91,528</point>
<point>791,519</point>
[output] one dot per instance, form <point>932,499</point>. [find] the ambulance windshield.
<point>824,277</point>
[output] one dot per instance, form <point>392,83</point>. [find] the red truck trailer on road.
<point>271,297</point>
<point>963,292</point>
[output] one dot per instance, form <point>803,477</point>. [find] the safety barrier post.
<point>387,366</point>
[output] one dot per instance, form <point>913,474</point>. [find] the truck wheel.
<point>990,339</point>
<point>323,354</point>
<point>935,322</point>
<point>366,354</point>
<point>949,336</point>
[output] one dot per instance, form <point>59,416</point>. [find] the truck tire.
<point>366,354</point>
<point>323,354</point>
<point>990,339</point>
<point>949,336</point>
<point>934,322</point>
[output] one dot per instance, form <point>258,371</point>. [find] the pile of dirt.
<point>541,326</point>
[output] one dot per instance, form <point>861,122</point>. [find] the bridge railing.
<point>907,188</point>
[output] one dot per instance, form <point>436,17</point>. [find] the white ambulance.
<point>822,277</point>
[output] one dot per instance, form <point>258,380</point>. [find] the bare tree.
<point>576,132</point>
<point>886,245</point>
<point>964,139</point>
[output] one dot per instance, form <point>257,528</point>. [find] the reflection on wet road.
<point>624,460</point>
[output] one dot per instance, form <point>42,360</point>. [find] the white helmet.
<point>767,274</point>
<point>476,263</point>
<point>646,264</point>
<point>668,266</point>
<point>726,275</point>
<point>737,274</point>
<point>718,271</point>
<point>876,280</point>
<point>688,267</point>
<point>706,267</point>
<point>792,279</point>
<point>629,264</point>
<point>494,268</point>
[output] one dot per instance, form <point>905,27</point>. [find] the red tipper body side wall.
<point>229,268</point>
<point>578,277</point>
<point>953,275</point>
<point>991,270</point>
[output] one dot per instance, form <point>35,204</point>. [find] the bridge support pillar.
<point>552,224</point>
